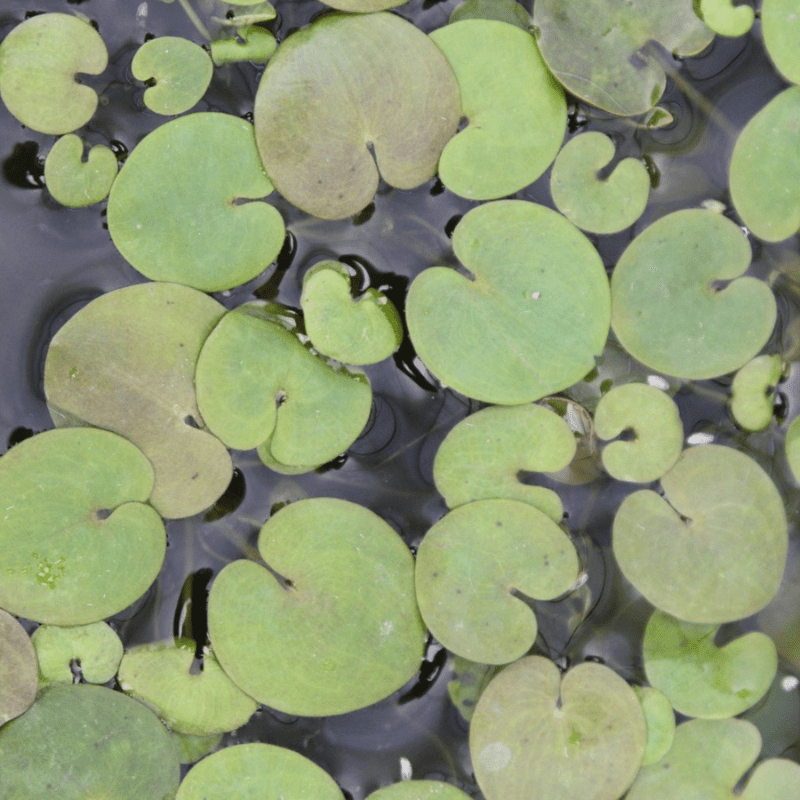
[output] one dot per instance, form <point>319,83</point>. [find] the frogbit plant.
<point>462,515</point>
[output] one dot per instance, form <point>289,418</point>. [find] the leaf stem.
<point>196,21</point>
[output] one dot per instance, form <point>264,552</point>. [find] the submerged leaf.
<point>350,99</point>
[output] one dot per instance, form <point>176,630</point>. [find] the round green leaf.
<point>713,549</point>
<point>126,363</point>
<point>257,385</point>
<point>517,113</point>
<point>707,760</point>
<point>177,217</point>
<point>356,331</point>
<point>198,703</point>
<point>666,309</point>
<point>656,424</point>
<point>19,673</point>
<point>536,735</point>
<point>483,456</point>
<point>39,60</point>
<point>256,771</point>
<point>752,390</point>
<point>598,205</point>
<point>350,99</point>
<point>419,790</point>
<point>74,182</point>
<point>476,565</point>
<point>502,10</point>
<point>96,647</point>
<point>792,447</point>
<point>77,542</point>
<point>529,321</point>
<point>181,69</point>
<point>257,45</point>
<point>701,679</point>
<point>304,636</point>
<point>765,169</point>
<point>727,19</point>
<point>596,48</point>
<point>780,25</point>
<point>660,720</point>
<point>79,742</point>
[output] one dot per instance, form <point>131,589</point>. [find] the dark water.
<point>53,260</point>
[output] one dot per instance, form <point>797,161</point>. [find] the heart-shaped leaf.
<point>126,363</point>
<point>350,99</point>
<point>667,309</point>
<point>529,321</point>
<point>255,771</point>
<point>77,542</point>
<point>516,112</point>
<point>302,635</point>
<point>259,386</point>
<point>19,673</point>
<point>727,19</point>
<point>257,45</point>
<point>39,60</point>
<point>74,182</point>
<point>656,424</point>
<point>179,218</point>
<point>701,679</point>
<point>713,549</point>
<point>181,70</point>
<point>355,331</point>
<point>96,648</point>
<point>660,720</point>
<point>595,204</point>
<point>87,741</point>
<point>483,457</point>
<point>752,401</point>
<point>476,566</point>
<point>535,734</point>
<point>597,48</point>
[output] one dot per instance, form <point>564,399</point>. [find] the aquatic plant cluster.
<point>568,379</point>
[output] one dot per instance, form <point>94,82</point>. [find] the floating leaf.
<point>516,112</point>
<point>350,99</point>
<point>598,49</point>
<point>656,424</point>
<point>193,748</point>
<point>529,321</point>
<point>303,636</point>
<point>781,29</point>
<point>19,673</point>
<point>752,389</point>
<point>181,70</point>
<point>713,549</point>
<point>197,702</point>
<point>667,309</point>
<point>364,6</point>
<point>96,648</point>
<point>708,759</point>
<point>502,10</point>
<point>765,169</point>
<point>361,331</point>
<point>468,683</point>
<point>483,457</point>
<point>726,19</point>
<point>74,182</point>
<point>476,567</point>
<point>593,203</point>
<point>257,45</point>
<point>701,679</point>
<point>419,790</point>
<point>180,217</point>
<point>39,60</point>
<point>77,542</point>
<point>535,734</point>
<point>257,385</point>
<point>126,363</point>
<point>660,720</point>
<point>87,741</point>
<point>792,447</point>
<point>255,771</point>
